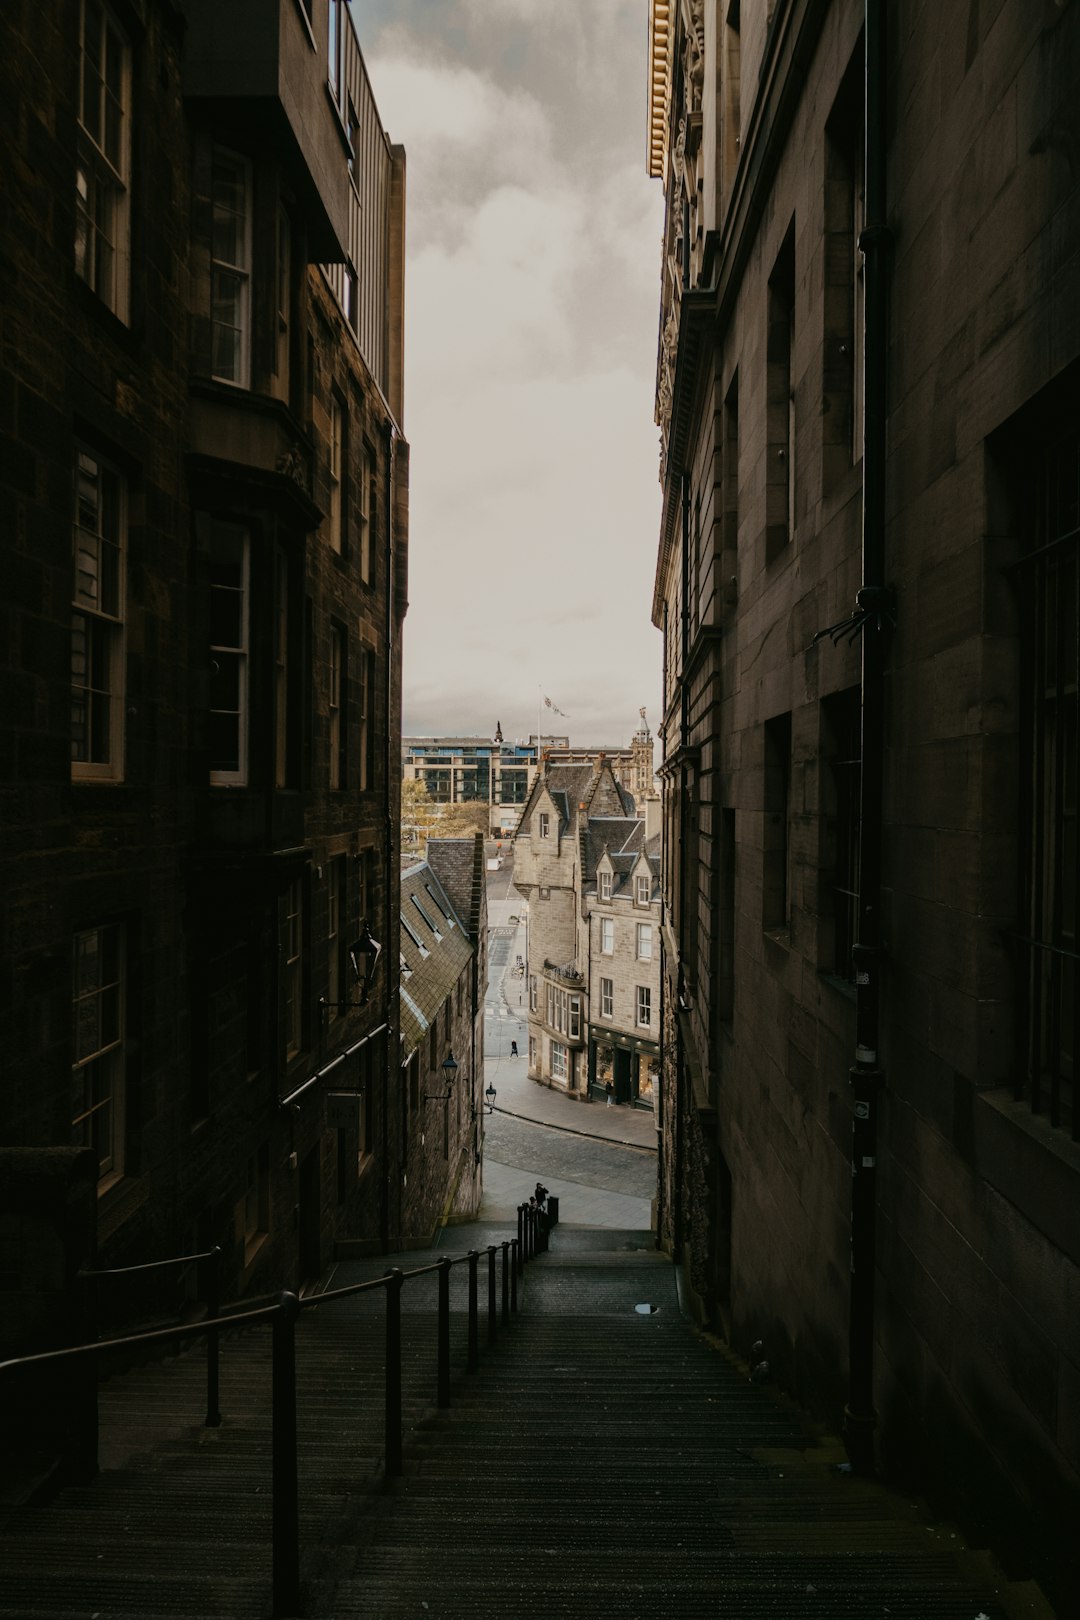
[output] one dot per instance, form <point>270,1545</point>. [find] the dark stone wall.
<point>196,876</point>
<point>978,1245</point>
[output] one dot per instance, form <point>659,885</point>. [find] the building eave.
<point>661,27</point>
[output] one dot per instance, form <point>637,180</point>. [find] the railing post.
<point>493,1321</point>
<point>286,1502</point>
<point>521,1240</point>
<point>394,1284</point>
<point>444,1332</point>
<point>505,1283</point>
<point>530,1233</point>
<point>474,1355</point>
<point>515,1264</point>
<point>85,1383</point>
<point>213,1309</point>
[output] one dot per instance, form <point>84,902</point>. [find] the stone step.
<point>599,1463</point>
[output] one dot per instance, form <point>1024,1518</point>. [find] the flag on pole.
<point>548,704</point>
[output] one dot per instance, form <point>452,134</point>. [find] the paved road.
<point>599,1162</point>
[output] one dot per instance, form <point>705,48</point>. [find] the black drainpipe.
<point>388,808</point>
<point>874,600</point>
<point>665,867</point>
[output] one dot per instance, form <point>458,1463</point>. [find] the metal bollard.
<point>505,1283</point>
<point>521,1240</point>
<point>286,1497</point>
<point>515,1264</point>
<point>394,1284</point>
<point>443,1398</point>
<point>493,1321</point>
<point>474,1356</point>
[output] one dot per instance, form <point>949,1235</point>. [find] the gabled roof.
<point>623,839</point>
<point>570,787</point>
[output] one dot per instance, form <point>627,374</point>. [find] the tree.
<point>422,818</point>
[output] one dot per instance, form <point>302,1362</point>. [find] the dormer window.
<point>545,823</point>
<point>605,885</point>
<point>426,918</point>
<point>643,887</point>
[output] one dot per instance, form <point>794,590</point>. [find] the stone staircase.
<point>605,1461</point>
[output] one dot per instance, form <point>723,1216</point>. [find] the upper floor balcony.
<point>272,56</point>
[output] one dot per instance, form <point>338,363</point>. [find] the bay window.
<point>102,213</point>
<point>230,293</point>
<point>97,620</point>
<point>229,615</point>
<point>98,1017</point>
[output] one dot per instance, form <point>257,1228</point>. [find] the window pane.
<point>93,29</point>
<point>225,683</point>
<point>226,618</point>
<point>224,743</point>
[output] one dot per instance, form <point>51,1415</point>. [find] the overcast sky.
<point>532,298</point>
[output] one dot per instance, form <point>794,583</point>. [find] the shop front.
<point>630,1064</point>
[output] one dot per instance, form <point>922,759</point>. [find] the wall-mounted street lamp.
<point>449,1074</point>
<point>363,955</point>
<point>449,1069</point>
<point>489,1095</point>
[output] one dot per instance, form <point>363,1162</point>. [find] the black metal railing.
<point>209,1260</point>
<point>282,1315</point>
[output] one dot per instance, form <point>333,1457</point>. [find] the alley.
<point>599,1162</point>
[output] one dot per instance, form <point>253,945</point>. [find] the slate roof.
<point>570,786</point>
<point>435,949</point>
<point>625,841</point>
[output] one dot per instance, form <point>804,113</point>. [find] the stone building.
<point>498,772</point>
<point>474,770</point>
<point>867,383</point>
<point>443,980</point>
<point>205,563</point>
<point>589,869</point>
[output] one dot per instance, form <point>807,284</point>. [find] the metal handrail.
<point>213,1308</point>
<point>151,1265</point>
<point>282,1316</point>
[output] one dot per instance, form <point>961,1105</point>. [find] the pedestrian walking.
<point>513,1049</point>
<point>610,1089</point>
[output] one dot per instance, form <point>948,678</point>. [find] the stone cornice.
<point>782,82</point>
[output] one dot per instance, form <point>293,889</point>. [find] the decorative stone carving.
<point>671,337</point>
<point>695,49</point>
<point>292,463</point>
<point>664,397</point>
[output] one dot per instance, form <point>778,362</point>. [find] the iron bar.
<point>515,1265</point>
<point>392,1372</point>
<point>493,1320</point>
<point>505,1282</point>
<point>286,1491</point>
<point>443,1398</point>
<point>213,1303</point>
<point>474,1355</point>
